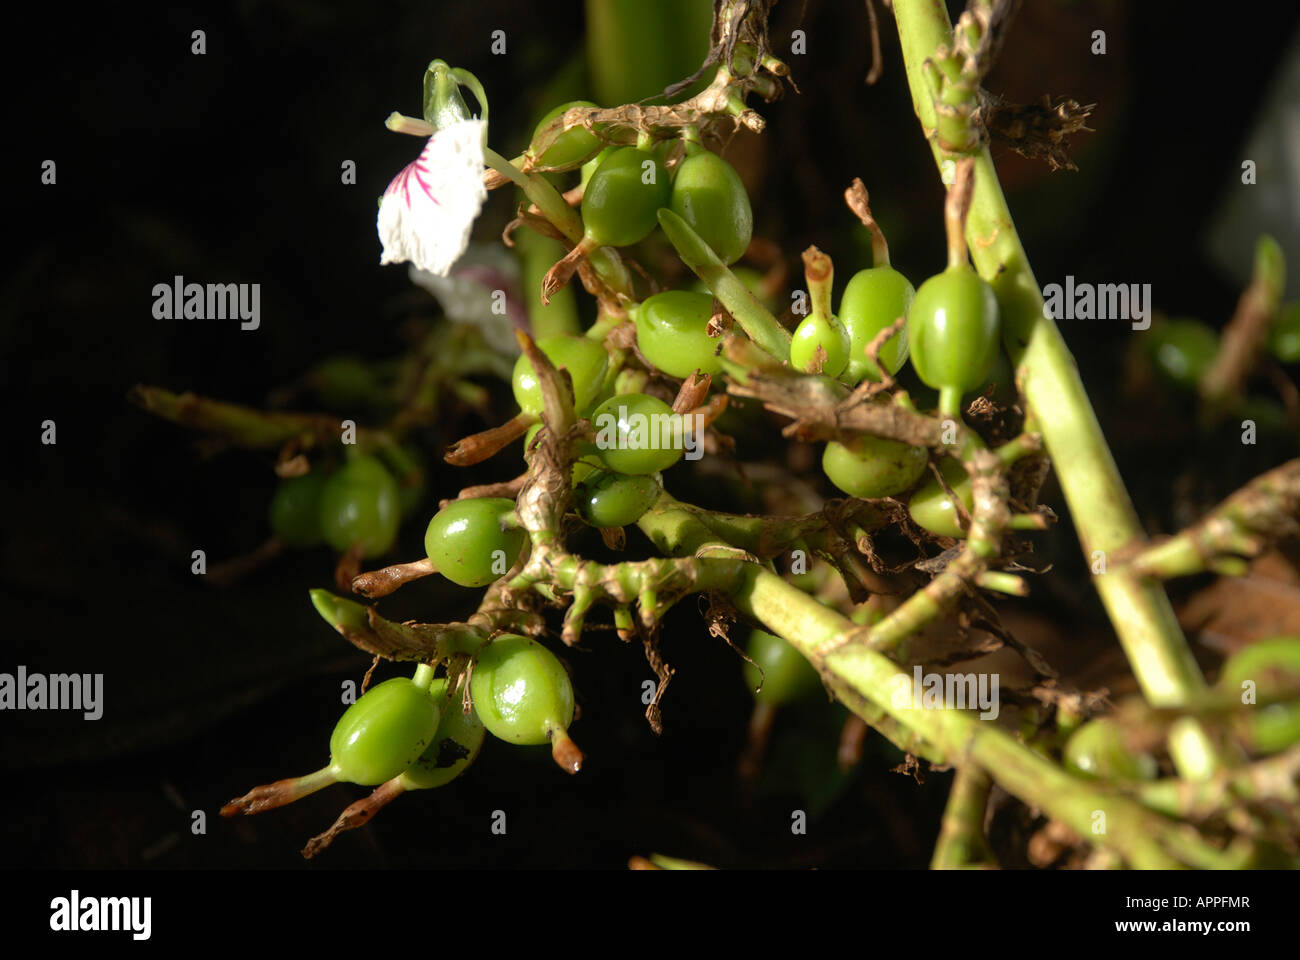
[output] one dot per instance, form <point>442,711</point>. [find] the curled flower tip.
<point>443,104</point>
<point>428,210</point>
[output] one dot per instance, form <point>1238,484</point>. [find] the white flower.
<point>482,290</point>
<point>429,209</point>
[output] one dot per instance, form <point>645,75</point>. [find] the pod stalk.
<point>566,753</point>
<point>356,815</point>
<point>955,209</point>
<point>280,793</point>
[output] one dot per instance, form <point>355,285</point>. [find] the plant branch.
<point>1100,506</point>
<point>247,426</point>
<point>1272,780</point>
<point>1245,333</point>
<point>855,672</point>
<point>752,316</point>
<point>961,840</point>
<point>1244,525</point>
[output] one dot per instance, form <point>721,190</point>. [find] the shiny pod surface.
<point>607,499</point>
<point>622,199</point>
<point>584,358</point>
<point>828,334</point>
<point>570,148</point>
<point>710,196</point>
<point>952,330</point>
<point>874,299</point>
<point>521,691</point>
<point>592,165</point>
<point>873,466</point>
<point>468,544</point>
<point>637,434</point>
<point>384,732</point>
<point>672,333</point>
<point>455,744</point>
<point>360,504</point>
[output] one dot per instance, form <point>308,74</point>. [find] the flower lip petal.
<point>429,208</point>
<point>468,294</point>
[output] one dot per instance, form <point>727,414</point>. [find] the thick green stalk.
<point>1268,781</point>
<point>961,840</point>
<point>869,684</point>
<point>248,426</point>
<point>1099,504</point>
<point>1242,526</point>
<point>753,317</point>
<point>563,217</point>
<point>635,48</point>
<point>1145,839</point>
<point>537,254</point>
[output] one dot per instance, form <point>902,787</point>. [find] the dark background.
<point>226,167</point>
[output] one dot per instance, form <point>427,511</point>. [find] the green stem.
<point>950,402</point>
<point>423,676</point>
<point>1007,583</point>
<point>761,535</point>
<point>752,316</point>
<point>1256,313</point>
<point>1271,780</point>
<point>605,322</point>
<point>542,193</point>
<point>248,426</point>
<point>503,166</point>
<point>961,840</point>
<point>1143,838</point>
<point>819,274</point>
<point>868,683</point>
<point>1243,525</point>
<point>635,48</point>
<point>1024,445</point>
<point>537,254</point>
<point>1099,504</point>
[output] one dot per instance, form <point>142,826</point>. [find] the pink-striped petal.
<point>429,209</point>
